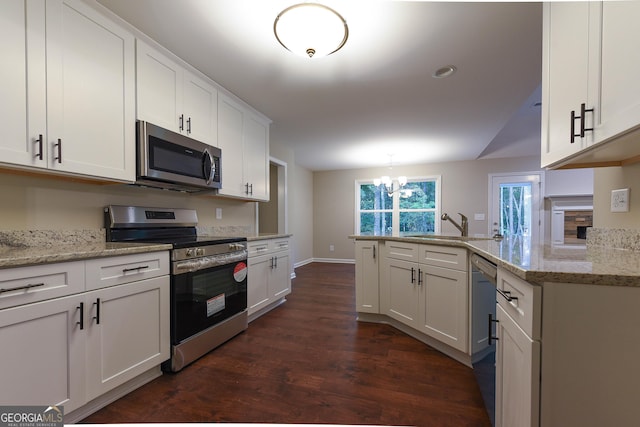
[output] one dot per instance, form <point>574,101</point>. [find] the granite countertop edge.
<point>614,276</point>
<point>33,255</point>
<point>267,236</point>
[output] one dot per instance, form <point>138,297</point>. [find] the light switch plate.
<point>620,200</point>
<point>478,217</point>
<point>218,213</point>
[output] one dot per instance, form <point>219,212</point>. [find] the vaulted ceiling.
<point>376,97</point>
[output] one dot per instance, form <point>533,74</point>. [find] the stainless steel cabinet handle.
<point>413,275</point>
<point>189,125</point>
<point>276,258</point>
<point>17,288</point>
<point>181,122</point>
<point>142,267</point>
<point>419,277</point>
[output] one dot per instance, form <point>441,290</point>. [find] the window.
<point>412,210</point>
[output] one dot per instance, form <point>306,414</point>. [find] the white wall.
<point>464,189</point>
<point>613,178</point>
<point>46,203</point>
<point>300,204</point>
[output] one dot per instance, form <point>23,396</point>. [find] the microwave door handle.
<point>208,166</point>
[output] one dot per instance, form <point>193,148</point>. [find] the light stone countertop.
<point>20,256</point>
<point>267,236</point>
<point>538,264</point>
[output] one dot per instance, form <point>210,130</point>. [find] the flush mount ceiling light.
<point>311,30</point>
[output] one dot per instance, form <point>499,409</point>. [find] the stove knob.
<point>189,252</point>
<point>199,252</point>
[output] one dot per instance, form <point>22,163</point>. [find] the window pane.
<point>417,222</point>
<point>375,223</point>
<point>423,195</point>
<point>372,198</point>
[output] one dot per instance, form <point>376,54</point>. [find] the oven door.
<point>203,298</point>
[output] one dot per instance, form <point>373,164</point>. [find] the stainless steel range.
<point>208,277</point>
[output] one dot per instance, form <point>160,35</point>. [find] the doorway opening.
<point>272,215</point>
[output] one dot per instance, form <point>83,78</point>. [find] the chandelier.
<point>311,30</point>
<point>390,183</point>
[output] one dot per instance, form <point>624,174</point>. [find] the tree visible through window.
<point>412,210</point>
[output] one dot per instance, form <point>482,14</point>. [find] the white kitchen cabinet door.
<point>617,68</point>
<point>200,109</point>
<point>159,88</point>
<point>444,305</point>
<point>256,157</point>
<point>280,278</point>
<point>90,92</point>
<point>22,89</point>
<point>258,295</point>
<point>230,141</point>
<point>517,375</point>
<point>403,292</point>
<point>43,353</point>
<point>565,77</point>
<point>127,332</point>
<point>367,283</point>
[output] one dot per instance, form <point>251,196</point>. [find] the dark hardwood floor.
<point>310,361</point>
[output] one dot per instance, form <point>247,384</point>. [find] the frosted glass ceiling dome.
<point>311,30</point>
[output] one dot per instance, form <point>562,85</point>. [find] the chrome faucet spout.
<point>464,228</point>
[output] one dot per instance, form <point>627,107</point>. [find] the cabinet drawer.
<point>521,301</point>
<point>260,247</point>
<point>444,256</point>
<point>25,285</point>
<point>403,251</point>
<point>279,245</point>
<point>104,272</point>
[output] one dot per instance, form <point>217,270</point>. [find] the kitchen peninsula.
<point>568,344</point>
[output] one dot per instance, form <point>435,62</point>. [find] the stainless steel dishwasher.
<point>483,314</point>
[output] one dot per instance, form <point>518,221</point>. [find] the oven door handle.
<point>197,264</point>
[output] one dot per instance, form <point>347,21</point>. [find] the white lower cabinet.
<point>43,357</point>
<point>402,296</point>
<point>367,276</point>
<point>426,287</point>
<point>517,375</point>
<point>518,352</point>
<point>269,277</point>
<point>127,334</point>
<point>70,350</point>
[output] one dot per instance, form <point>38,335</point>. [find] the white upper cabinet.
<point>243,138</point>
<point>17,145</point>
<point>172,97</point>
<point>590,90</point>
<point>76,112</point>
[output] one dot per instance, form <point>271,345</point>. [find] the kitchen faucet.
<point>464,228</point>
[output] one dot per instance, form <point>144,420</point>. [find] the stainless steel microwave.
<point>172,161</point>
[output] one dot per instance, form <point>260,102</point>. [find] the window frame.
<point>395,210</point>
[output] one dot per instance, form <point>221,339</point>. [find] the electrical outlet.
<point>331,248</point>
<point>620,200</point>
<point>218,213</point>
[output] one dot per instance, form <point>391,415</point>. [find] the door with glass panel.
<point>515,205</point>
